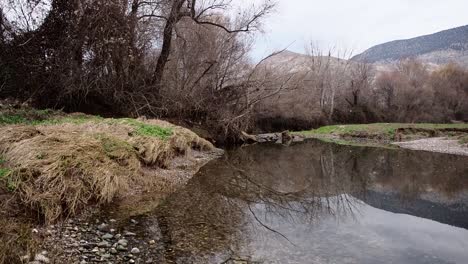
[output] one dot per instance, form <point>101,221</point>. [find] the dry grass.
<point>16,241</point>
<point>57,168</point>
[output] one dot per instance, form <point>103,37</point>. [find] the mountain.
<point>295,62</point>
<point>439,48</point>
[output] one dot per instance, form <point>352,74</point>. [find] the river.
<point>317,202</point>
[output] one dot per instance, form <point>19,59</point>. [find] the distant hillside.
<point>294,62</point>
<point>439,48</point>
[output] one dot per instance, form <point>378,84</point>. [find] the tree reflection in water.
<point>259,190</point>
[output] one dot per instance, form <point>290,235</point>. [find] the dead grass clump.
<point>58,174</point>
<point>14,134</point>
<point>58,168</point>
<point>153,151</point>
<point>183,139</point>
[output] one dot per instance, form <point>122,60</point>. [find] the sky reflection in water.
<point>321,203</point>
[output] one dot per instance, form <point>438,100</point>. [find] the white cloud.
<point>356,25</point>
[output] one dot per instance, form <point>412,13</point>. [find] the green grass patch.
<point>6,119</point>
<point>144,129</point>
<point>79,119</point>
<point>377,128</point>
<point>463,140</point>
<point>6,179</point>
<point>115,148</point>
<point>4,172</point>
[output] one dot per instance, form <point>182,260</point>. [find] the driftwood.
<point>280,138</point>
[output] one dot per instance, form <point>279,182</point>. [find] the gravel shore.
<point>439,144</point>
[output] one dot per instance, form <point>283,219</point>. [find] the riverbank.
<point>443,138</point>
<point>56,166</point>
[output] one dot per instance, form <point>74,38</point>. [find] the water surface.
<point>319,203</point>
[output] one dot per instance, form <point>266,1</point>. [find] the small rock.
<point>95,249</point>
<point>130,234</point>
<point>118,236</point>
<point>103,227</point>
<point>107,236</point>
<point>106,256</point>
<point>112,220</point>
<point>103,244</point>
<point>134,221</point>
<point>123,242</point>
<point>35,231</point>
<point>135,251</point>
<point>131,261</point>
<point>83,262</point>
<point>149,261</point>
<point>152,242</point>
<point>113,251</point>
<point>121,248</point>
<point>112,230</point>
<point>24,258</point>
<point>41,258</point>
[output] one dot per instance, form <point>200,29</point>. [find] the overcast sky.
<point>355,24</point>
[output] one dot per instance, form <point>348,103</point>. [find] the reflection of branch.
<point>269,228</point>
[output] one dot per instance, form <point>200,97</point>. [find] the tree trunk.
<point>172,20</point>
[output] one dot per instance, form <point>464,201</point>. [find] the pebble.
<point>41,258</point>
<point>121,248</point>
<point>131,261</point>
<point>103,244</point>
<point>107,236</point>
<point>113,251</point>
<point>118,236</point>
<point>123,242</point>
<point>130,234</point>
<point>103,227</point>
<point>134,221</point>
<point>152,242</point>
<point>135,251</point>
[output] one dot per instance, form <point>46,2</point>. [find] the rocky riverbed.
<point>102,241</point>
<point>113,234</point>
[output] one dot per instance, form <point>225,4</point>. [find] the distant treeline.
<point>188,60</point>
<point>334,92</point>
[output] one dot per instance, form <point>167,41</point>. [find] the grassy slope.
<point>57,163</point>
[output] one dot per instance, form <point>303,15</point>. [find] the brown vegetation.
<point>183,59</point>
<point>332,91</point>
<point>58,169</point>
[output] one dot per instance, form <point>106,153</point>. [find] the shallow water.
<point>319,203</point>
